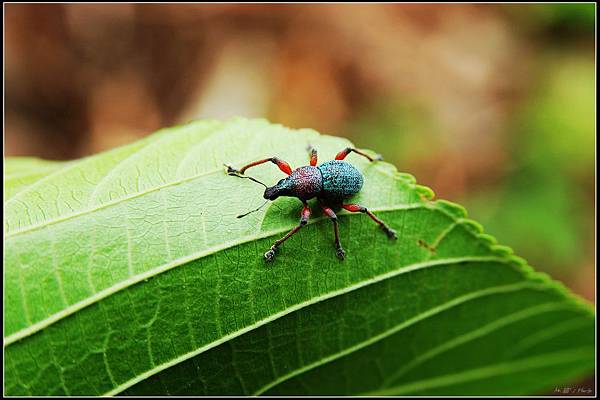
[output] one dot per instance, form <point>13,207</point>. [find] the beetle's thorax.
<point>307,182</point>
<point>304,183</point>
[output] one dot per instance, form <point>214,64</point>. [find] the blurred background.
<point>492,106</point>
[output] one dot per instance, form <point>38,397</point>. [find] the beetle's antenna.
<point>248,177</point>
<point>253,179</point>
<point>250,212</point>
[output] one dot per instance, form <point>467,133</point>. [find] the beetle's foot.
<point>378,157</point>
<point>232,171</point>
<point>270,255</point>
<point>390,232</point>
<point>341,254</point>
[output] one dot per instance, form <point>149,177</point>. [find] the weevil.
<point>331,182</point>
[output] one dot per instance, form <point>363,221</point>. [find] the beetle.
<point>331,182</point>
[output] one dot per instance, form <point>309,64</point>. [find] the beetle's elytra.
<point>331,183</point>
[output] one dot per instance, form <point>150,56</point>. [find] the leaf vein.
<point>272,317</point>
<point>399,327</point>
<point>489,371</point>
<point>98,295</point>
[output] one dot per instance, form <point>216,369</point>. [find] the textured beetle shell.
<point>340,180</point>
<point>307,182</point>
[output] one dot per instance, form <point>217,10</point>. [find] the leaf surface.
<point>20,172</point>
<point>128,273</point>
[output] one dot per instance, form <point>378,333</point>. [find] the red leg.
<point>358,208</point>
<point>339,250</point>
<point>304,215</point>
<point>285,167</point>
<point>313,156</point>
<point>342,154</point>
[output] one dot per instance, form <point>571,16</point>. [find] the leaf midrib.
<point>207,130</point>
<point>101,206</point>
<point>108,204</point>
<point>168,266</point>
<point>135,153</point>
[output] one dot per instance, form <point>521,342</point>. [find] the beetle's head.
<point>282,188</point>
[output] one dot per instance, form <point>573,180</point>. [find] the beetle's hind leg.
<point>338,246</point>
<point>358,208</point>
<point>305,214</point>
<point>342,154</point>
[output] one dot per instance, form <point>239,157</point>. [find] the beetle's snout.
<point>271,193</point>
<point>282,188</point>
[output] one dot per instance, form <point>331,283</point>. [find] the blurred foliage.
<point>553,147</point>
<point>573,17</point>
<point>557,125</point>
<point>403,132</point>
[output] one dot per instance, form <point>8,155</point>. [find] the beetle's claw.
<point>270,255</point>
<point>231,171</point>
<point>390,233</point>
<point>341,254</point>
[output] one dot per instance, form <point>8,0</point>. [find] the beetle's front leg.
<point>285,167</point>
<point>304,215</point>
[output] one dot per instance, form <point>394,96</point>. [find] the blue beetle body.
<point>340,180</point>
<point>331,183</point>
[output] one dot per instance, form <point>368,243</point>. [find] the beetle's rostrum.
<point>331,183</point>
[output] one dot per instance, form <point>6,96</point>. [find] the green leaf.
<point>128,272</point>
<point>20,172</point>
